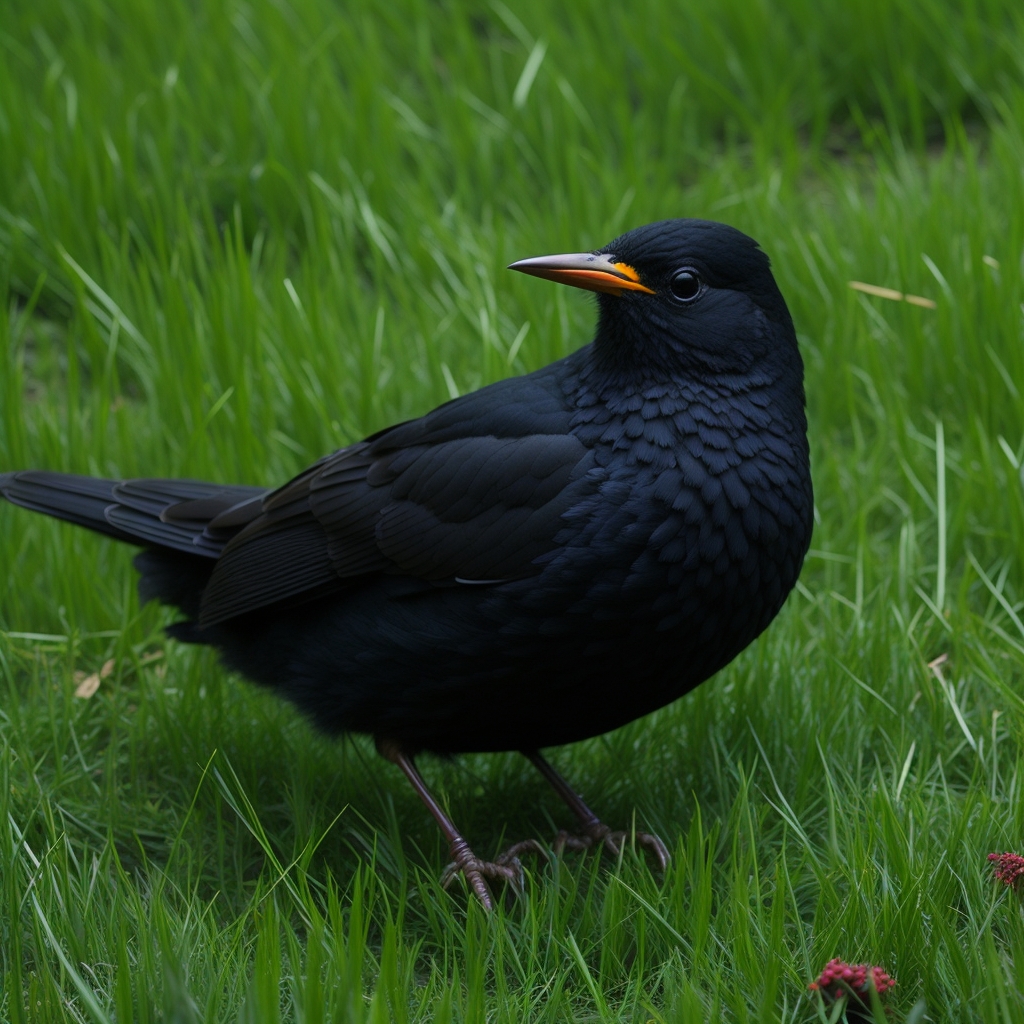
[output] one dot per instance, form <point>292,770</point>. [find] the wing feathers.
<point>470,508</point>
<point>266,568</point>
<point>473,491</point>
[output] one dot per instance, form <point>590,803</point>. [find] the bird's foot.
<point>613,841</point>
<point>505,868</point>
<point>596,834</point>
<point>594,831</point>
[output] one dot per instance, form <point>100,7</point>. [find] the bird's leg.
<point>594,830</point>
<point>506,868</point>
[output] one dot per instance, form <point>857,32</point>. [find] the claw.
<point>657,847</point>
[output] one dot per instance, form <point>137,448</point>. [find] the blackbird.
<point>531,564</point>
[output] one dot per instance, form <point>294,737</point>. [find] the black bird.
<point>528,565</point>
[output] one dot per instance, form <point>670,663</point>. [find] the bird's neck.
<point>618,385</point>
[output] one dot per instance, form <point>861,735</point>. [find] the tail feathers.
<point>81,500</point>
<point>170,514</point>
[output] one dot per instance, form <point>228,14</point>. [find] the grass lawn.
<point>237,234</point>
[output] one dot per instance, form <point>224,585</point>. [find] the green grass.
<point>236,235</point>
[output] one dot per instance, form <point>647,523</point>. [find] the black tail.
<point>176,520</point>
<point>81,500</point>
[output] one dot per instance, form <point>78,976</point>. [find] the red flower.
<point>1008,868</point>
<point>841,980</point>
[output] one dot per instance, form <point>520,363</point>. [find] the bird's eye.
<point>685,285</point>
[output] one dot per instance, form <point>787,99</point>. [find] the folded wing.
<point>472,493</point>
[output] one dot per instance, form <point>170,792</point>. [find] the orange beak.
<point>596,273</point>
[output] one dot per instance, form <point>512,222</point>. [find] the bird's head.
<point>682,296</point>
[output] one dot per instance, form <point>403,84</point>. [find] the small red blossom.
<point>1008,868</point>
<point>841,980</point>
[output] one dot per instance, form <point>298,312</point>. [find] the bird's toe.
<point>516,850</point>
<point>506,868</point>
<point>614,842</point>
